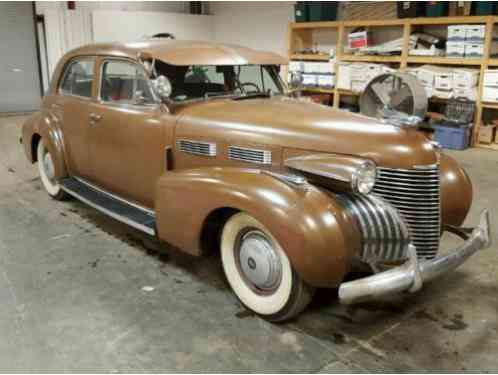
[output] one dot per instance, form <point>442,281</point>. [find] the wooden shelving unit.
<point>300,36</point>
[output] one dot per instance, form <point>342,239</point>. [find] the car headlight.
<point>364,178</point>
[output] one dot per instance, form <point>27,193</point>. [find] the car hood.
<point>291,124</point>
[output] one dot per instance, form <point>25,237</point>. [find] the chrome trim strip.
<point>411,275</point>
<point>100,190</point>
<point>249,155</point>
<point>131,223</point>
<point>194,147</point>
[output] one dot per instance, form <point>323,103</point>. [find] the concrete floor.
<point>71,299</point>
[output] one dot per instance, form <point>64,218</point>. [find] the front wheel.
<point>46,169</point>
<point>259,271</point>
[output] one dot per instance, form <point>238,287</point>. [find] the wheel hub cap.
<point>48,166</point>
<point>259,262</point>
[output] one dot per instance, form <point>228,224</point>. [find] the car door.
<point>129,133</point>
<point>70,108</point>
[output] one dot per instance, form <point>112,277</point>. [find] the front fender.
<point>312,228</point>
<point>45,126</point>
<point>456,192</point>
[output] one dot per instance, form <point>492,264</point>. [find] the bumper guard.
<point>411,275</point>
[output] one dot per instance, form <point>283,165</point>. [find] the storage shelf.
<point>490,146</point>
<point>348,92</point>
<point>309,57</point>
<point>443,60</point>
<point>489,105</point>
<point>301,35</point>
<point>314,90</point>
<point>371,58</point>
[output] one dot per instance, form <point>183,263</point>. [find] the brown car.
<point>197,144</point>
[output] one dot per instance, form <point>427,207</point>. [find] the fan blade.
<point>380,93</point>
<point>399,96</point>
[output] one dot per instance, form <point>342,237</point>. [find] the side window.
<point>78,78</point>
<point>250,78</point>
<point>270,80</point>
<point>125,83</point>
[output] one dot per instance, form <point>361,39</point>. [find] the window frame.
<point>103,61</point>
<point>65,72</point>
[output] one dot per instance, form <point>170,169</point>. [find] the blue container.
<point>454,137</point>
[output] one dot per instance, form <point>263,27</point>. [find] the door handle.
<point>94,117</point>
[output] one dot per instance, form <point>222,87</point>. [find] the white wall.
<point>122,26</point>
<point>68,29</point>
<point>259,25</point>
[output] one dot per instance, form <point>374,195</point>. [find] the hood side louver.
<point>249,155</point>
<point>197,147</point>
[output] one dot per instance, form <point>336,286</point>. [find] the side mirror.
<point>162,87</point>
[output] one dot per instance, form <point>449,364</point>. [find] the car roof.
<point>183,52</point>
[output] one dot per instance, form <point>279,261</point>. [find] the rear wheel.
<point>46,169</point>
<point>259,271</point>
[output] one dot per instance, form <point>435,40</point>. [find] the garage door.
<point>19,74</point>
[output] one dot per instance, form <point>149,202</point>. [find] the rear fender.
<point>312,228</point>
<point>45,126</point>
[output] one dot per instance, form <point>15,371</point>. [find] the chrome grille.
<point>415,194</point>
<point>384,234</point>
<point>197,147</point>
<point>249,155</point>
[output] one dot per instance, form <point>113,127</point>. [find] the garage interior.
<point>82,292</point>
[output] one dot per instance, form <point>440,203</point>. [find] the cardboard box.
<point>443,80</point>
<point>325,68</point>
<point>372,71</point>
<point>467,93</point>
<point>443,94</point>
<point>487,133</point>
<point>426,76</point>
<point>359,40</point>
<point>310,80</point>
<point>344,76</point>
<point>358,86</point>
<point>465,78</point>
<point>295,66</point>
<point>490,94</point>
<point>358,72</point>
<point>326,81</point>
<point>475,33</point>
<point>474,49</point>
<point>490,77</point>
<point>457,33</point>
<point>455,49</point>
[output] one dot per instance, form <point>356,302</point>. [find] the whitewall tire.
<point>259,271</point>
<point>46,169</point>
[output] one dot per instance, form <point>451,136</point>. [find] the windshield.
<point>208,81</point>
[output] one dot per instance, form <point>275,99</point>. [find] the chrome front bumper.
<point>411,275</point>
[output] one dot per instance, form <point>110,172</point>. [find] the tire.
<point>47,171</point>
<point>259,272</point>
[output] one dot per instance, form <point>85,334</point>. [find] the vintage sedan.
<point>199,145</point>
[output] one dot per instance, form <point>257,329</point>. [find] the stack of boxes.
<point>446,83</point>
<point>314,74</point>
<point>465,41</point>
<point>355,76</point>
<point>490,86</point>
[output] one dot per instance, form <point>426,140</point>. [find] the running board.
<point>115,207</point>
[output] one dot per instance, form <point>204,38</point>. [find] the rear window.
<point>78,78</point>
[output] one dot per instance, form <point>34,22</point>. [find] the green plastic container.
<point>322,10</point>
<point>437,9</point>
<point>483,8</point>
<point>301,11</point>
